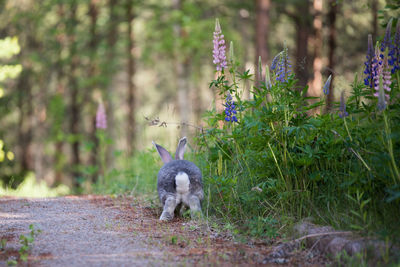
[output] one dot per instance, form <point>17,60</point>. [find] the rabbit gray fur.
<point>178,182</point>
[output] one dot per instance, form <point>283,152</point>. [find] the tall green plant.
<point>277,161</point>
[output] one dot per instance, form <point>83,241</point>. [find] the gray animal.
<point>179,182</point>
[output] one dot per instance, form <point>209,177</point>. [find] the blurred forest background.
<point>149,62</point>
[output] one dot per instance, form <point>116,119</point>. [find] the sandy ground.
<point>101,231</point>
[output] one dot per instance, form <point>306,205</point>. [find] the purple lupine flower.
<point>368,81</point>
<point>230,109</point>
<point>219,57</point>
<point>274,63</point>
<point>382,79</point>
<point>394,51</point>
<point>386,40</point>
<point>342,109</point>
<point>101,118</point>
<point>283,66</point>
<point>327,85</point>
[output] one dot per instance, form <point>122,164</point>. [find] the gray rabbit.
<point>179,182</point>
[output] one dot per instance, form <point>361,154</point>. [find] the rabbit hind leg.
<point>169,208</point>
<point>195,207</point>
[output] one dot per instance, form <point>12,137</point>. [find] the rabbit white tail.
<point>182,183</point>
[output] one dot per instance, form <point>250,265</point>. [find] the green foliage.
<point>279,161</point>
<point>361,214</point>
<point>137,175</point>
<point>343,259</point>
<point>263,227</point>
<point>3,244</point>
<point>26,243</point>
<point>8,48</point>
<point>174,240</point>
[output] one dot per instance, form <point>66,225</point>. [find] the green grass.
<point>30,187</point>
<point>136,176</point>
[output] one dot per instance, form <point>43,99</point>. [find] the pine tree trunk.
<point>182,70</point>
<point>93,46</point>
<point>303,29</point>
<point>182,73</point>
<point>374,9</point>
<point>25,123</point>
<point>73,88</point>
<point>131,123</point>
<point>262,29</point>
<point>316,83</point>
<point>332,46</point>
<point>112,37</point>
<point>246,46</point>
<point>59,144</point>
<point>197,104</point>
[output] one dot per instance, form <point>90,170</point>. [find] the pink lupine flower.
<point>101,118</point>
<point>219,57</point>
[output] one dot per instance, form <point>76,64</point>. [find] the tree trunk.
<point>58,179</point>
<point>112,37</point>
<point>182,73</point>
<point>316,83</point>
<point>93,46</point>
<point>262,29</point>
<point>246,46</point>
<point>197,104</point>
<point>74,91</point>
<point>303,28</point>
<point>333,6</point>
<point>59,144</point>
<point>374,9</point>
<point>131,123</point>
<point>25,123</point>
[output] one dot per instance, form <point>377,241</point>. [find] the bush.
<point>279,162</point>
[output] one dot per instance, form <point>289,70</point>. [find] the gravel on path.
<point>122,231</point>
<point>75,231</point>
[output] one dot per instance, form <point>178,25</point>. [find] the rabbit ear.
<point>180,151</point>
<point>165,156</point>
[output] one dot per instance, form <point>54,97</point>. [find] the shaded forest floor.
<point>105,231</point>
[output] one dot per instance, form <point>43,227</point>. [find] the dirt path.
<point>101,231</point>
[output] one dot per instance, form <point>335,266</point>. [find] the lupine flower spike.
<point>386,40</point>
<point>259,68</point>
<point>231,54</point>
<point>230,109</point>
<point>368,81</point>
<point>382,78</point>
<point>394,51</point>
<point>101,118</point>
<point>327,85</point>
<point>274,63</point>
<point>268,83</point>
<point>381,96</point>
<point>219,48</point>
<point>342,109</point>
<point>282,65</point>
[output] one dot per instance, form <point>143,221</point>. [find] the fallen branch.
<point>322,234</point>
